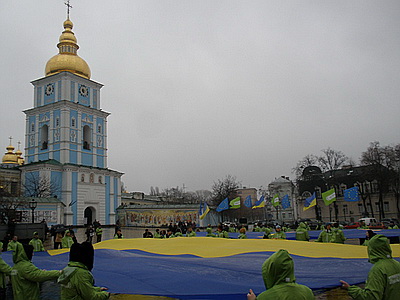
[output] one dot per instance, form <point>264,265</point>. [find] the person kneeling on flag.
<point>279,279</point>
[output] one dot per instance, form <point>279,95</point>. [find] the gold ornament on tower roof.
<point>67,59</point>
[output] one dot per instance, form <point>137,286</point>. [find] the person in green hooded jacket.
<point>67,241</point>
<point>12,244</point>
<point>326,235</point>
<point>279,280</point>
<point>383,280</point>
<point>222,233</point>
<point>209,232</point>
<point>279,234</point>
<point>338,235</point>
<point>302,233</point>
<point>5,270</point>
<point>36,243</point>
<point>190,232</point>
<point>25,276</point>
<point>76,279</point>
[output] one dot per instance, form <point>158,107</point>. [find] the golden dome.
<point>10,157</point>
<point>67,59</point>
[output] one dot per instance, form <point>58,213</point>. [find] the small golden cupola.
<point>67,59</point>
<point>10,157</point>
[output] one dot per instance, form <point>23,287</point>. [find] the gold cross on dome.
<point>68,7</point>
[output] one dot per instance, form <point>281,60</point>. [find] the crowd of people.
<point>383,280</point>
<point>76,279</point>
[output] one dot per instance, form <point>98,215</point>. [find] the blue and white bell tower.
<point>66,138</point>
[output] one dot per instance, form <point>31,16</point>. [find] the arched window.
<point>44,134</point>
<point>87,133</point>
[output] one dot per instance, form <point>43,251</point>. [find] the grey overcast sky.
<point>201,89</point>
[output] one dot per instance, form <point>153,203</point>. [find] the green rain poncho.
<point>279,279</point>
<point>242,236</point>
<point>383,280</point>
<point>37,244</point>
<point>338,236</point>
<point>191,234</point>
<point>209,232</point>
<point>5,270</point>
<point>302,233</point>
<point>325,236</point>
<point>78,283</point>
<point>277,235</point>
<point>25,276</point>
<point>67,241</point>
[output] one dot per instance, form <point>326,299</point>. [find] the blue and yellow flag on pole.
<point>260,203</point>
<point>224,205</point>
<point>310,202</point>
<point>203,211</point>
<point>351,194</point>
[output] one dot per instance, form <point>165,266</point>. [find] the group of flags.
<point>350,195</point>
<point>235,203</point>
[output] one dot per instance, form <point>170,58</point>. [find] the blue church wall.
<point>100,122</point>
<point>74,197</point>
<point>30,178</point>
<point>49,98</point>
<point>94,98</point>
<point>108,199</point>
<point>72,91</point>
<point>56,180</point>
<point>56,114</point>
<point>38,96</point>
<point>84,100</point>
<point>73,115</point>
<point>100,158</point>
<point>44,156</point>
<point>73,157</point>
<point>59,90</point>
<point>57,155</point>
<point>87,159</point>
<point>100,161</point>
<point>115,194</point>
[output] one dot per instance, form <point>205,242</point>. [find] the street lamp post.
<point>32,206</point>
<point>344,214</point>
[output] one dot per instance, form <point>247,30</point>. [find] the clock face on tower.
<point>83,90</point>
<point>49,89</point>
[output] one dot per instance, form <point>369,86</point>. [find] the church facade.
<point>66,139</point>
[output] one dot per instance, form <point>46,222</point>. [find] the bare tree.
<point>383,161</point>
<point>40,186</point>
<point>224,188</point>
<point>9,205</point>
<point>306,161</point>
<point>332,159</point>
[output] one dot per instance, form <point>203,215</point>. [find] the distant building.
<point>283,186</point>
<point>364,177</point>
